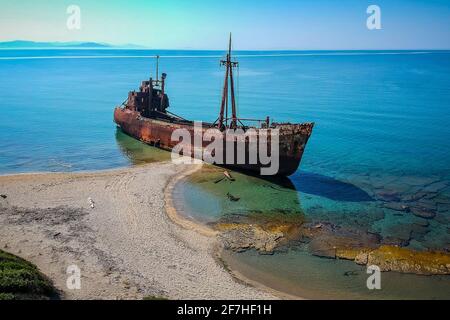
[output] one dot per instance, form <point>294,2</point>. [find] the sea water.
<point>381,140</point>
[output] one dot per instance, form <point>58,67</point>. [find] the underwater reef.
<point>266,235</point>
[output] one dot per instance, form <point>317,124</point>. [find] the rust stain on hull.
<point>292,138</point>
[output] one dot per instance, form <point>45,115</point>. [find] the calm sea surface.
<point>381,141</point>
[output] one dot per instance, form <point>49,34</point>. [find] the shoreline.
<point>126,245</point>
<point>79,172</point>
<point>173,213</point>
<point>184,222</point>
<point>239,276</point>
<point>412,263</point>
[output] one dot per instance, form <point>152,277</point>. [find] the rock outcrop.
<point>262,232</point>
<point>267,233</point>
<point>243,237</point>
<point>390,258</point>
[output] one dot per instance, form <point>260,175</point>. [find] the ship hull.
<point>292,139</point>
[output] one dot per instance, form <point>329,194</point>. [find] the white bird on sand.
<point>91,202</point>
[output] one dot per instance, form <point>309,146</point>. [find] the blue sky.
<point>256,24</point>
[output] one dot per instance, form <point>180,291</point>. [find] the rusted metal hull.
<point>292,138</point>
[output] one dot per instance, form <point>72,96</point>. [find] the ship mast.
<point>229,81</point>
<point>157,71</point>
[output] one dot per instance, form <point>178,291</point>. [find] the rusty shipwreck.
<point>145,117</point>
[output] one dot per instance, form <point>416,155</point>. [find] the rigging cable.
<point>238,95</point>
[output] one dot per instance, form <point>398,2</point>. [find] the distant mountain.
<point>22,44</point>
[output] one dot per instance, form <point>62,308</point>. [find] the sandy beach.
<point>114,226</point>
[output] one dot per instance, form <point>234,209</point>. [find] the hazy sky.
<point>256,24</point>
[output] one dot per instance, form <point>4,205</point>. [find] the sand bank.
<point>126,245</point>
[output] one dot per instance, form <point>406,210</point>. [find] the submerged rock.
<point>436,186</point>
<point>351,273</point>
<point>368,249</point>
<point>376,215</point>
<point>419,234</point>
<point>342,244</point>
<point>443,208</point>
<point>414,197</point>
<point>442,200</point>
<point>268,233</point>
<point>421,222</point>
<point>442,219</point>
<point>423,213</point>
<point>322,248</point>
<point>397,206</point>
<point>262,232</point>
<point>399,231</point>
<point>393,241</point>
<point>426,204</point>
<point>390,258</point>
<point>232,198</point>
<point>388,196</point>
<point>243,237</point>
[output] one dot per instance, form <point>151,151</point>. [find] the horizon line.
<point>216,56</point>
<point>235,50</point>
<point>139,47</point>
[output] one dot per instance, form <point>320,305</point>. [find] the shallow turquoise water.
<point>381,139</point>
<point>375,112</point>
<point>293,269</point>
<point>301,274</point>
